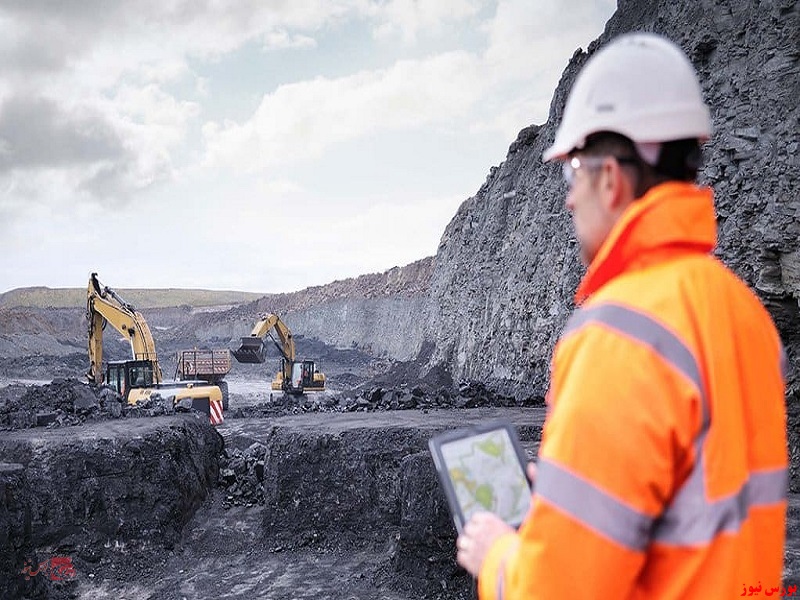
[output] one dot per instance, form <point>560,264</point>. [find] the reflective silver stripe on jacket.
<point>592,506</point>
<point>690,518</point>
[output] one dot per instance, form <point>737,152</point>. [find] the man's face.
<point>587,200</point>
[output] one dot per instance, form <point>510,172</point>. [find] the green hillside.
<point>44,297</point>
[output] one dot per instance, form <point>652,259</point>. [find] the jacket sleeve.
<point>616,444</point>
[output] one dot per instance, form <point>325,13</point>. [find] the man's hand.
<point>480,533</point>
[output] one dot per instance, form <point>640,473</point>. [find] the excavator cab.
<point>252,350</point>
<point>305,378</point>
<point>126,375</point>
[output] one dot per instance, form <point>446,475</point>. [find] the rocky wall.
<point>392,326</point>
<point>382,314</point>
<point>102,485</point>
<point>507,265</point>
<point>370,477</point>
<point>15,528</point>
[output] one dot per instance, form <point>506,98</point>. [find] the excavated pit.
<point>81,491</point>
<point>326,498</point>
<point>149,505</point>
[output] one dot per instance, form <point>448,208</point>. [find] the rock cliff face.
<point>507,263</point>
<point>495,297</point>
<point>383,314</point>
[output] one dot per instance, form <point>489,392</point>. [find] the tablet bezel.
<point>435,446</point>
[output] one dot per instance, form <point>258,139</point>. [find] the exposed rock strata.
<point>507,264</point>
<point>117,483</point>
<point>379,313</point>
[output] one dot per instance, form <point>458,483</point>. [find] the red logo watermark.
<point>780,592</point>
<point>58,568</point>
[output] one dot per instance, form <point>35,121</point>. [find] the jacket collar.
<point>670,219</point>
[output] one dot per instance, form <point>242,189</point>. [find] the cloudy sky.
<point>259,145</point>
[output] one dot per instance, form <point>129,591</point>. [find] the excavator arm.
<point>252,347</point>
<point>139,379</point>
<point>294,376</point>
<point>103,306</point>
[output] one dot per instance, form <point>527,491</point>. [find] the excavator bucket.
<point>252,350</point>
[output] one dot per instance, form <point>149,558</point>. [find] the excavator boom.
<point>294,376</point>
<point>104,305</point>
<point>139,378</point>
<point>252,349</point>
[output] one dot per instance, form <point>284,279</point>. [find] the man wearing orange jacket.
<point>663,466</point>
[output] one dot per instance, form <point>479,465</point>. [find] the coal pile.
<point>70,402</point>
<point>241,475</point>
<point>469,394</point>
<point>64,402</point>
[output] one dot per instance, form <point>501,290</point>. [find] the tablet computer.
<point>483,468</point>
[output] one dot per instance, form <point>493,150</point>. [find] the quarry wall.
<point>498,292</point>
<point>507,264</point>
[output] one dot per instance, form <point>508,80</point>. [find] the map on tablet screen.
<point>483,469</point>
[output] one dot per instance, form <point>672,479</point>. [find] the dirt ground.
<point>225,551</point>
<point>227,554</point>
<point>224,556</point>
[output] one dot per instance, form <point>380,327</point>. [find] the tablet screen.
<point>484,471</point>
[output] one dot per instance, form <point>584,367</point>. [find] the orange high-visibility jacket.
<point>662,471</point>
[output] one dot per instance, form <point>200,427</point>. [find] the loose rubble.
<point>467,395</point>
<point>70,402</point>
<point>241,474</point>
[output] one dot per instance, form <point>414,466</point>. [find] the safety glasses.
<point>571,166</point>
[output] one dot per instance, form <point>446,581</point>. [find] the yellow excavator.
<point>140,378</point>
<point>294,377</point>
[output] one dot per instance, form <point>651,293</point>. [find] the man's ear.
<point>617,187</point>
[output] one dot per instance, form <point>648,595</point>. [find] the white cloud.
<point>335,244</point>
<point>506,87</point>
<point>301,120</point>
<point>283,39</point>
<point>407,18</point>
<point>531,42</point>
<point>152,120</point>
<point>127,105</point>
<point>103,147</point>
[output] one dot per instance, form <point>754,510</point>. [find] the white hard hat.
<point>642,86</point>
